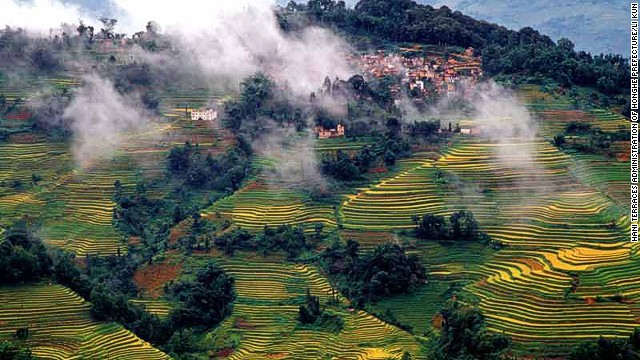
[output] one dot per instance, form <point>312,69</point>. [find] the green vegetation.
<point>222,172</point>
<point>585,138</point>
<point>386,271</point>
<point>107,284</point>
<point>312,314</point>
<point>603,348</point>
<point>37,306</point>
<point>461,226</point>
<point>464,335</point>
<point>207,300</point>
<point>504,51</point>
<point>12,351</point>
<point>193,241</point>
<point>290,239</point>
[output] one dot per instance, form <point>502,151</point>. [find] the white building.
<point>208,115</point>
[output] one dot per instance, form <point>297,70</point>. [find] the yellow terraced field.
<point>392,203</point>
<point>259,204</point>
<point>562,219</point>
<point>60,326</point>
<point>265,314</point>
<point>557,229</point>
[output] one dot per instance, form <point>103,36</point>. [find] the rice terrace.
<point>366,180</point>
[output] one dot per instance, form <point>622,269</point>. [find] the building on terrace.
<point>329,133</point>
<point>206,114</point>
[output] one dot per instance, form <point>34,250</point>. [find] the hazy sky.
<point>593,25</point>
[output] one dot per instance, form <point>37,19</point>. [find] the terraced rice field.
<point>259,204</point>
<point>60,326</point>
<point>265,314</point>
<point>325,145</point>
<point>448,264</point>
<point>76,204</point>
<point>561,217</point>
<point>555,227</point>
<point>391,203</point>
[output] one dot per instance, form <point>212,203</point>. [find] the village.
<point>425,76</point>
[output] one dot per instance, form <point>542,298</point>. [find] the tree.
<point>256,90</point>
<point>23,256</point>
<point>463,226</point>
<point>310,310</point>
<point>358,84</point>
<point>432,227</point>
<point>13,351</point>
<point>318,229</point>
<point>352,248</point>
<point>604,348</point>
<point>559,140</point>
<point>45,60</point>
<point>179,158</point>
<point>464,335</point>
<point>207,300</point>
<point>109,25</point>
<point>35,178</point>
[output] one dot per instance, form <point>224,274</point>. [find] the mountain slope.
<point>595,26</point>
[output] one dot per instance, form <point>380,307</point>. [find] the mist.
<point>213,45</point>
<point>233,42</point>
<point>501,117</point>
<point>99,117</point>
<point>294,157</point>
<point>40,16</point>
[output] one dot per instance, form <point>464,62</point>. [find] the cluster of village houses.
<point>429,75</point>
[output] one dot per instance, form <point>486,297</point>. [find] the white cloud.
<point>39,15</point>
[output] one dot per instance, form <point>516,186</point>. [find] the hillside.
<point>391,181</point>
<point>594,26</point>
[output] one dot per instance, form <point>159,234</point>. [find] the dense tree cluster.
<point>588,139</point>
<point>461,225</point>
<point>606,348</point>
<point>14,351</point>
<point>390,147</point>
<point>114,306</point>
<point>201,304</point>
<point>464,336</point>
<point>310,311</point>
<point>312,314</point>
<point>106,283</point>
<point>222,172</point>
<point>385,271</point>
<point>290,239</point>
<point>341,166</point>
<point>504,51</point>
<point>260,105</point>
<point>23,257</point>
<point>133,214</point>
<point>150,219</point>
<point>205,301</point>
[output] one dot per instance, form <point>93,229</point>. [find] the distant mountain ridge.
<point>597,26</point>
